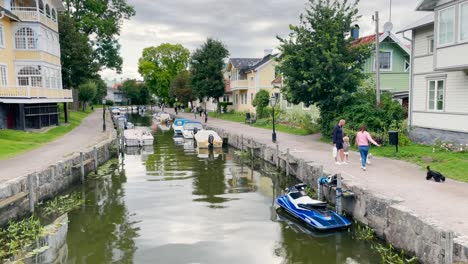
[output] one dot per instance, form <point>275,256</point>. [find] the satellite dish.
<point>388,26</point>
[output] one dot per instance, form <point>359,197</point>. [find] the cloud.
<point>247,27</point>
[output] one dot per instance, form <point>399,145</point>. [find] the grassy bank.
<point>240,118</point>
<point>14,142</point>
<point>452,164</point>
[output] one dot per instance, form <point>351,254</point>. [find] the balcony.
<point>26,92</point>
<point>239,85</point>
<point>32,14</point>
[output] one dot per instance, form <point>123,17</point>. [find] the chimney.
<point>267,52</point>
<point>355,32</point>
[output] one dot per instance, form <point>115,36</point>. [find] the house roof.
<point>9,14</point>
<point>263,61</point>
<point>58,4</point>
<point>277,81</point>
<point>382,36</point>
<point>428,5</point>
<point>244,63</point>
<point>427,20</point>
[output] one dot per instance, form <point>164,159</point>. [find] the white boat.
<point>178,125</point>
<point>161,117</point>
<point>115,111</point>
<point>191,128</point>
<point>139,136</point>
<point>208,139</point>
<point>146,138</point>
<point>131,138</point>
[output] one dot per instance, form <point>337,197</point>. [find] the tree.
<point>206,66</point>
<point>87,92</point>
<point>101,89</point>
<point>261,101</point>
<point>136,92</point>
<point>76,54</point>
<point>319,63</point>
<point>181,88</point>
<point>159,65</point>
<point>101,19</point>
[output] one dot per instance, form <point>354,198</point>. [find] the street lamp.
<point>273,103</point>
<point>104,114</point>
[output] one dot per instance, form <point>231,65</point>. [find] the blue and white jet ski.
<point>312,212</point>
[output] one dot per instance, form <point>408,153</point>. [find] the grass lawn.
<point>15,142</point>
<point>452,164</point>
<point>240,118</point>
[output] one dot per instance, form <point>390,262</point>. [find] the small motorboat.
<point>178,125</point>
<point>162,118</point>
<point>312,212</point>
<point>138,136</point>
<point>191,128</point>
<point>208,139</point>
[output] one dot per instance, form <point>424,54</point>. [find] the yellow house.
<point>248,76</point>
<point>30,69</point>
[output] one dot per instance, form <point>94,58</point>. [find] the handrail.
<point>34,92</point>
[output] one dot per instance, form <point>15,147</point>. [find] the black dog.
<point>437,176</point>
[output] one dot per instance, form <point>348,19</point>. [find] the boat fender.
<point>323,180</point>
<point>211,140</point>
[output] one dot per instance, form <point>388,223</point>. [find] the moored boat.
<point>178,125</point>
<point>313,212</point>
<point>191,128</point>
<point>208,139</point>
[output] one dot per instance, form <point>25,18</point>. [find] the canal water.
<point>170,204</point>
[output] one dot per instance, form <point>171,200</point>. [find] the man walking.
<point>338,141</point>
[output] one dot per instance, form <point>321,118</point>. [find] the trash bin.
<point>393,137</point>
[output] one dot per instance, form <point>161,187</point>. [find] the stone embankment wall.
<point>395,223</point>
<point>55,179</point>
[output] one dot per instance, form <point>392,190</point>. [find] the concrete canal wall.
<point>19,196</point>
<point>396,224</point>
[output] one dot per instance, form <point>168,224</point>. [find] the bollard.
<point>82,167</point>
<point>242,142</point>
<point>96,164</point>
<point>319,190</point>
<point>277,156</point>
<point>32,192</point>
<point>287,162</point>
<point>448,248</point>
<point>339,195</point>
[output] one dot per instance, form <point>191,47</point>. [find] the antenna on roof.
<point>390,17</point>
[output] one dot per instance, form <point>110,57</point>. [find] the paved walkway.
<point>445,203</point>
<point>85,136</point>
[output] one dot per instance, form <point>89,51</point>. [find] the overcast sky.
<point>247,27</point>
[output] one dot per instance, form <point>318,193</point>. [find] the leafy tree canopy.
<point>319,63</point>
<point>261,101</point>
<point>206,66</point>
<point>159,65</point>
<point>101,21</point>
<point>87,92</point>
<point>181,88</point>
<point>136,92</point>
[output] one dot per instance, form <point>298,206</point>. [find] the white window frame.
<point>460,23</point>
<point>430,42</point>
<point>2,36</point>
<point>404,66</point>
<point>391,61</point>
<point>436,81</point>
<point>27,39</point>
<point>454,26</point>
<point>37,77</point>
<point>3,81</point>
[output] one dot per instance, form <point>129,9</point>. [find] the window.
<point>446,26</point>
<point>25,38</point>
<point>47,10</point>
<point>436,95</point>
<point>464,21</point>
<point>406,66</point>
<point>430,45</point>
<point>251,98</point>
<point>237,99</point>
<point>2,37</point>
<point>41,6</point>
<point>3,76</point>
<point>54,15</point>
<point>245,98</point>
<point>30,76</point>
<point>385,60</point>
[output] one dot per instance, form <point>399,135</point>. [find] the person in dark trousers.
<point>175,108</point>
<point>206,116</point>
<point>338,142</point>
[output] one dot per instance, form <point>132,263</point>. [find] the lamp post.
<point>103,114</point>
<point>273,102</point>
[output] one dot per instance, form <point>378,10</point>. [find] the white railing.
<point>239,85</point>
<point>31,14</point>
<point>35,92</point>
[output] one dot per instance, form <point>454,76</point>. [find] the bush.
<point>224,106</point>
<point>109,103</point>
<point>261,101</point>
<point>187,110</point>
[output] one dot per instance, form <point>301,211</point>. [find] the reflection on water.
<point>176,205</point>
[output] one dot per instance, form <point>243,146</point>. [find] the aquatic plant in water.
<point>243,154</point>
<point>61,204</point>
<point>16,237</point>
<point>388,254</point>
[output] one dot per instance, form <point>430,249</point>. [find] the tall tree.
<point>181,88</point>
<point>136,92</point>
<point>87,92</point>
<point>206,66</point>
<point>319,63</point>
<point>101,19</point>
<point>159,65</point>
<point>76,54</point>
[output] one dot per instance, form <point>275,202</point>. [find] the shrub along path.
<point>84,136</point>
<point>445,203</point>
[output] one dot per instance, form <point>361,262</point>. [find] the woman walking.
<point>362,141</point>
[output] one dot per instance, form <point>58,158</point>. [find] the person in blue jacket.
<point>338,142</point>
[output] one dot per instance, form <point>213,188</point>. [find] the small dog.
<point>437,176</point>
<point>369,159</point>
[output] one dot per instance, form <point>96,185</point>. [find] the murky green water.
<point>171,205</point>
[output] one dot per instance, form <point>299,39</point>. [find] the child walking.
<point>346,148</point>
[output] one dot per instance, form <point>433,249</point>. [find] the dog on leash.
<point>437,176</point>
<point>369,159</point>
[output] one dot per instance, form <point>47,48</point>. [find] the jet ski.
<point>313,212</point>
